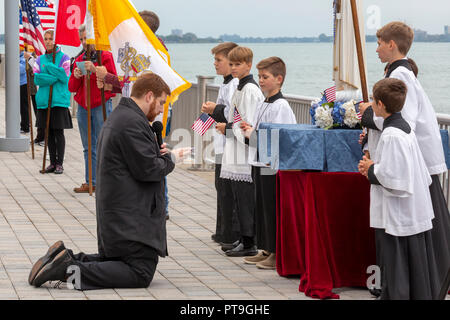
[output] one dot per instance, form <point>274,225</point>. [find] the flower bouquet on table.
<point>336,111</point>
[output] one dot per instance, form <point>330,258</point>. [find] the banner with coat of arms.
<point>116,26</point>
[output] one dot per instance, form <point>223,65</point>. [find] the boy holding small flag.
<point>227,230</point>
<point>235,165</point>
<point>275,109</point>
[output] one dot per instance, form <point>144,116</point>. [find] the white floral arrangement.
<point>337,114</point>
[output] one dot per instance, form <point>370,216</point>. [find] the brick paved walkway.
<point>37,210</point>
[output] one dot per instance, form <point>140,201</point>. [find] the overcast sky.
<point>273,18</point>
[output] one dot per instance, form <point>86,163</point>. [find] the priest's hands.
<point>247,129</point>
<point>164,150</point>
<point>364,166</point>
<point>208,107</point>
<point>181,154</point>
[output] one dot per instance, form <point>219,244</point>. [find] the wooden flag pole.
<point>100,63</point>
<point>30,114</point>
<point>362,69</point>
<point>50,98</point>
<point>89,122</point>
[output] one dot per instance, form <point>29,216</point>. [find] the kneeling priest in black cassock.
<point>131,221</point>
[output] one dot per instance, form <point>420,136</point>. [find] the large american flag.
<point>37,17</point>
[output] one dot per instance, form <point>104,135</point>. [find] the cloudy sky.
<point>272,18</point>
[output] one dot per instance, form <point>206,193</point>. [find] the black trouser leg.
<point>56,146</point>
<point>219,203</point>
<point>265,208</point>
<point>245,200</point>
<point>52,146</point>
<point>24,116</point>
<point>40,131</point>
<point>135,271</point>
<point>229,223</point>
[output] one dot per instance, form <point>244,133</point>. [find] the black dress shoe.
<point>229,246</point>
<point>375,292</point>
<point>55,270</point>
<point>240,251</point>
<point>49,256</point>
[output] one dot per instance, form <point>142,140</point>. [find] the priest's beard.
<point>152,113</point>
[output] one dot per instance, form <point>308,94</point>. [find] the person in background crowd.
<point>56,75</point>
<point>77,84</point>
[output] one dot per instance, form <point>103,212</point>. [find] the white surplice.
<point>419,113</point>
<point>278,111</point>
<point>402,204</point>
<point>226,93</point>
<point>235,165</point>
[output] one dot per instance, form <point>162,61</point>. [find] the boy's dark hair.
<point>149,82</point>
<point>400,33</point>
<point>241,54</point>
<point>151,19</point>
<point>392,92</point>
<point>274,65</point>
<point>224,48</point>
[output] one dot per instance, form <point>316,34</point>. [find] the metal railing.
<point>187,109</point>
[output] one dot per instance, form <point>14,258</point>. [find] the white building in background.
<point>446,30</point>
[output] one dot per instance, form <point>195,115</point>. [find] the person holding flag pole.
<point>85,89</point>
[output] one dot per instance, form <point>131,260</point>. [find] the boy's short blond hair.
<point>400,33</point>
<point>224,48</point>
<point>241,54</point>
<point>274,65</point>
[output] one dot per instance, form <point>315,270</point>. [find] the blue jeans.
<point>96,123</point>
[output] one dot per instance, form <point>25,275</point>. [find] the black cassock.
<point>131,220</point>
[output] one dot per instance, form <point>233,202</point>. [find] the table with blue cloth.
<point>323,206</point>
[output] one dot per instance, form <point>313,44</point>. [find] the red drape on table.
<point>323,231</point>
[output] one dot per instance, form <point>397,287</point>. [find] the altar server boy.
<point>394,42</point>
<point>227,226</point>
<point>400,208</point>
<point>235,165</point>
<point>274,109</point>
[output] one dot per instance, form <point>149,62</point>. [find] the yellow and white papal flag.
<point>116,26</point>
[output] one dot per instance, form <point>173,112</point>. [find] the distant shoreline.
<point>192,38</point>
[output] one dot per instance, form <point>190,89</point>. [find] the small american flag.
<point>236,117</point>
<point>203,124</point>
<point>358,112</point>
<point>330,93</point>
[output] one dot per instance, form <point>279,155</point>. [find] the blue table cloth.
<point>307,147</point>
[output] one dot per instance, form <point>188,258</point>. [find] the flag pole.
<point>89,124</point>
<point>359,49</point>
<point>30,114</point>
<point>50,98</point>
<point>100,63</point>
